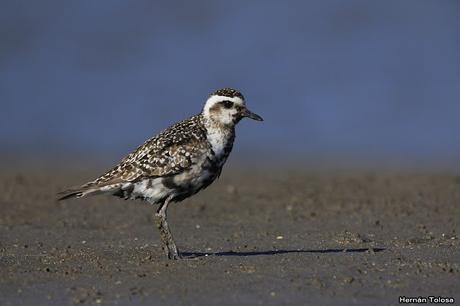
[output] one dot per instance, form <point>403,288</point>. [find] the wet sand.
<point>264,238</point>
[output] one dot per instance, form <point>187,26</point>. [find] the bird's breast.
<point>221,142</point>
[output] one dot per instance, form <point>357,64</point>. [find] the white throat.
<point>219,137</point>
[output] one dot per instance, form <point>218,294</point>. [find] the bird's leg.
<point>169,246</point>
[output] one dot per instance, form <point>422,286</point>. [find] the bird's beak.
<point>247,113</point>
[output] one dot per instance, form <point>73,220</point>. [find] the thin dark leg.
<point>169,246</point>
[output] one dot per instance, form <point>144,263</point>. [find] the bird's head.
<point>227,107</point>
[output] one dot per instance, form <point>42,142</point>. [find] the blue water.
<point>349,79</point>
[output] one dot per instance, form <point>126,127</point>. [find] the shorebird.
<point>177,163</point>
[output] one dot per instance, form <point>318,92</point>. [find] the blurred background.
<point>359,83</point>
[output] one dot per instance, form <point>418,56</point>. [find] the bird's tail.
<point>78,192</point>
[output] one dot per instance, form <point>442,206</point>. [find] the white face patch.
<point>224,116</point>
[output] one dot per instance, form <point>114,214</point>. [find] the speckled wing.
<point>171,152</point>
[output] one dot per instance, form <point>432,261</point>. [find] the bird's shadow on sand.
<point>278,252</point>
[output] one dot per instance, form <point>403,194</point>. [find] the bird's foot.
<point>172,253</point>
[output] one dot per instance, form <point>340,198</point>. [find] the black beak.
<point>247,113</point>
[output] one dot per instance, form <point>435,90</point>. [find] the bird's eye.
<point>228,104</point>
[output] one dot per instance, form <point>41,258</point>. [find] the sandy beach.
<point>252,238</point>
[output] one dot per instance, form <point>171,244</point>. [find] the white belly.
<point>154,190</point>
<point>151,189</point>
<point>193,178</point>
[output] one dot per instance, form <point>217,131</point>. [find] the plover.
<point>177,163</point>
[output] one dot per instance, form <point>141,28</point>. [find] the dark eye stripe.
<point>227,104</point>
